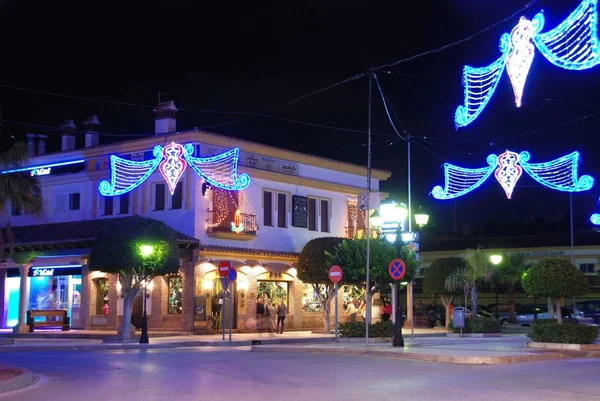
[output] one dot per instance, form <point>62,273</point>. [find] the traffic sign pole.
<point>230,310</point>
<point>335,276</point>
<point>223,305</point>
<point>336,312</point>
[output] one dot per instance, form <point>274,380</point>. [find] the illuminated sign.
<point>57,270</point>
<point>41,171</point>
<point>42,272</point>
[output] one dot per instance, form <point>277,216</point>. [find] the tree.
<point>555,278</point>
<point>20,190</point>
<point>509,273</point>
<point>117,249</point>
<point>435,280</point>
<point>313,265</point>
<point>468,276</point>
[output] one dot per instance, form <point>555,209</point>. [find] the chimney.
<point>68,135</point>
<point>91,131</point>
<point>41,144</point>
<point>164,120</point>
<point>31,145</point>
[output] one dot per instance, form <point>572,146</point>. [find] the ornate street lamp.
<point>145,251</point>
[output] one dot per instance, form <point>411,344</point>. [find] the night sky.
<point>251,56</point>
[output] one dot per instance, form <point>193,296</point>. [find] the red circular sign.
<point>397,269</point>
<point>335,274</point>
<point>224,267</point>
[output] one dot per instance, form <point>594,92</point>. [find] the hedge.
<point>479,325</point>
<point>357,329</point>
<point>549,331</point>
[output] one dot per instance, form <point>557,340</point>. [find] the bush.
<point>549,331</point>
<point>357,329</point>
<point>479,325</point>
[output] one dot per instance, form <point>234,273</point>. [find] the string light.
<point>126,175</point>
<point>572,45</point>
<point>220,170</point>
<point>173,165</point>
<point>559,174</point>
<point>237,226</point>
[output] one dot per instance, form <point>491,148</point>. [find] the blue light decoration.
<point>43,168</point>
<point>595,218</point>
<point>172,160</point>
<point>559,174</point>
<point>572,45</point>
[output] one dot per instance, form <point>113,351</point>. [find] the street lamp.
<point>496,259</point>
<point>421,219</point>
<point>145,251</point>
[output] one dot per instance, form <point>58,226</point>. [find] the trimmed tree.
<point>435,280</point>
<point>117,249</point>
<point>555,278</point>
<point>313,265</point>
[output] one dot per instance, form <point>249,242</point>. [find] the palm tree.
<point>17,190</point>
<point>509,273</point>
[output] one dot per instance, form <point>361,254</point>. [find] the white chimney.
<point>68,135</point>
<point>91,131</point>
<point>41,144</point>
<point>31,145</point>
<point>164,120</point>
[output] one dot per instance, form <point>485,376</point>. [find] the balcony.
<point>231,225</point>
<point>359,232</point>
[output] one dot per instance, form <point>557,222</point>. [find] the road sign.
<point>397,269</point>
<point>231,275</point>
<point>335,274</point>
<point>224,267</point>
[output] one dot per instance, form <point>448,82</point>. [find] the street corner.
<point>13,378</point>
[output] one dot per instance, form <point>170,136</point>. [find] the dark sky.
<point>250,56</point>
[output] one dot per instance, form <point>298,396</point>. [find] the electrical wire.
<point>385,106</point>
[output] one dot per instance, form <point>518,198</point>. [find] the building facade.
<point>228,199</point>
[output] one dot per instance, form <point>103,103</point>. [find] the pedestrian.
<point>387,311</point>
<point>351,312</point>
<point>269,319</point>
<point>260,315</point>
<point>432,316</point>
<point>281,312</point>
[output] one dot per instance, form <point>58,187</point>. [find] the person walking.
<point>269,316</point>
<point>351,312</point>
<point>281,312</point>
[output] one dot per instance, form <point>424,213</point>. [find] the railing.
<point>359,232</point>
<point>226,222</point>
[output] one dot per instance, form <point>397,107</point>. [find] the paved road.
<point>218,373</point>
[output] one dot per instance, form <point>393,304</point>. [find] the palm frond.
<point>19,189</point>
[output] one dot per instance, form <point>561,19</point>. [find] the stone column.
<point>3,306</point>
<point>409,305</point>
<point>84,307</point>
<point>22,326</point>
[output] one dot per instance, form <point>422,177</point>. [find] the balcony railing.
<point>359,232</point>
<point>223,222</point>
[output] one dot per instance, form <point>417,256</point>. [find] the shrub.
<point>357,329</point>
<point>479,325</point>
<point>549,331</point>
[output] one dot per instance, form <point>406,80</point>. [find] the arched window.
<point>175,285</point>
<point>102,296</point>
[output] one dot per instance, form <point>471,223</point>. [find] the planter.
<point>474,335</point>
<point>362,340</point>
<point>565,347</point>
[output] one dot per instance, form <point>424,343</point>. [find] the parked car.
<point>526,314</point>
<point>580,317</point>
<point>503,312</point>
<point>589,309</point>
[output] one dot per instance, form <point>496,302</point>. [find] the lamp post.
<point>496,259</point>
<point>145,251</point>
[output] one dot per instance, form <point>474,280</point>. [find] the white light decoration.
<point>560,174</point>
<point>572,45</point>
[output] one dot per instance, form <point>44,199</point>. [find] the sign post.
<point>335,275</point>
<point>397,270</point>
<point>231,277</point>
<point>224,267</point>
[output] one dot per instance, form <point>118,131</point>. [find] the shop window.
<point>124,204</point>
<point>108,205</point>
<point>177,198</point>
<point>175,285</point>
<point>310,299</point>
<point>102,296</point>
<point>74,201</point>
<point>275,291</point>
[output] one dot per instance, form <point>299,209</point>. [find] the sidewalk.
<point>476,351</point>
<point>14,378</point>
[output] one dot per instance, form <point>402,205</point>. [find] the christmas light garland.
<point>572,45</point>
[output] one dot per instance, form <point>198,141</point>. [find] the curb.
<point>563,347</point>
<point>14,378</point>
<point>463,360</point>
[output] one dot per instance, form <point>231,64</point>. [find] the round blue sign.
<point>231,275</point>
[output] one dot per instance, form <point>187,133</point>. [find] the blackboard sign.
<point>300,211</point>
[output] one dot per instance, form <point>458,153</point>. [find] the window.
<point>102,296</point>
<point>175,295</point>
<point>275,291</point>
<point>124,204</point>
<point>312,214</point>
<point>268,208</point>
<point>74,201</point>
<point>159,196</point>
<point>587,268</point>
<point>16,210</point>
<point>324,215</point>
<point>108,205</point>
<point>177,198</point>
<point>281,210</point>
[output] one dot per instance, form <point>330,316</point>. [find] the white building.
<point>259,225</point>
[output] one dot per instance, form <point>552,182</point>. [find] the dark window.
<point>16,210</point>
<point>159,197</point>
<point>268,208</point>
<point>124,204</point>
<point>108,205</point>
<point>312,214</point>
<point>281,210</point>
<point>74,201</point>
<point>324,216</point>
<point>587,268</point>
<point>175,295</point>
<point>177,198</point>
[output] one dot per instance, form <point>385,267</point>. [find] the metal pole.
<point>394,303</point>
<point>336,312</point>
<point>409,189</point>
<point>412,321</point>
<point>368,287</point>
<point>231,310</point>
<point>144,337</point>
<point>572,230</point>
<point>223,306</point>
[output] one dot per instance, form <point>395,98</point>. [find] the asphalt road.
<point>204,374</point>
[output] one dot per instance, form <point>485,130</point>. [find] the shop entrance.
<point>218,307</point>
<point>137,310</point>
